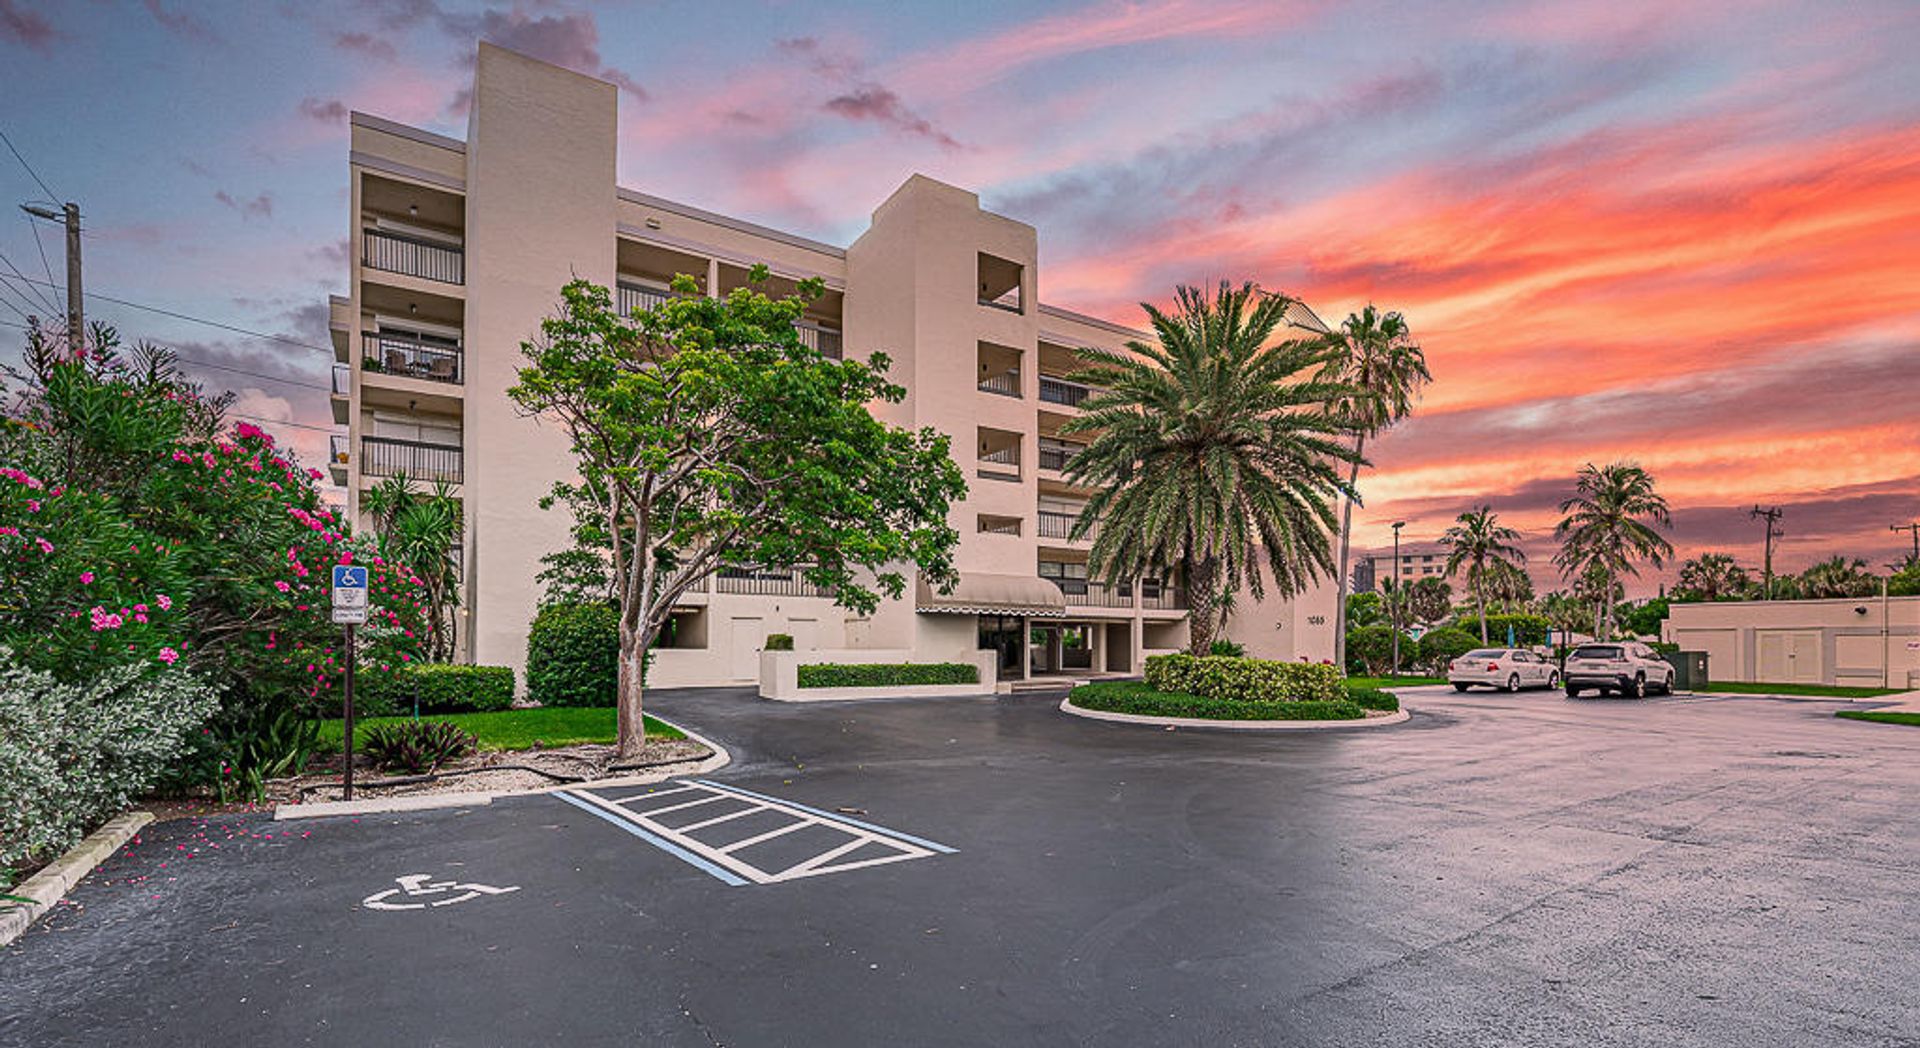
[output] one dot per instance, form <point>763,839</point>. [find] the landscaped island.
<point>1224,688</point>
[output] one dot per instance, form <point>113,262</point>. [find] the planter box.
<point>780,676</point>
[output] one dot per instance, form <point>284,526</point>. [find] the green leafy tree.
<point>1428,600</point>
<point>1374,356</point>
<point>1607,528</point>
<point>707,435</point>
<point>1366,609</point>
<point>1566,612</point>
<point>1644,619</point>
<point>1838,577</point>
<point>1441,646</point>
<point>1905,582</point>
<point>1711,576</point>
<point>1509,587</point>
<point>422,530</point>
<point>1479,543</point>
<point>1212,451</point>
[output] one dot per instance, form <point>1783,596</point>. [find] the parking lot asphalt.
<point>1499,870</point>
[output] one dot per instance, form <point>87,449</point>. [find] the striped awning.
<point>981,593</point>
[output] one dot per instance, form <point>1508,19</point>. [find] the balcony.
<point>1057,525</point>
<point>1000,280</point>
<point>1157,596</point>
<point>1006,383</point>
<point>767,582</point>
<point>411,357</point>
<point>1058,454</point>
<point>1060,391</point>
<point>631,298</point>
<point>1003,464</point>
<point>1085,593</point>
<point>413,256</point>
<point>386,456</point>
<point>822,340</point>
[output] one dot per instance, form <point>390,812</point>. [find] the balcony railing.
<point>1060,391</point>
<point>1161,597</point>
<point>823,340</point>
<point>632,297</point>
<point>1057,525</point>
<point>411,357</point>
<point>1003,464</point>
<point>414,256</point>
<point>1008,300</point>
<point>1085,593</point>
<point>385,456</point>
<point>767,582</point>
<point>1006,383</point>
<point>1057,454</point>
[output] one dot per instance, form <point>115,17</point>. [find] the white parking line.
<point>725,861</point>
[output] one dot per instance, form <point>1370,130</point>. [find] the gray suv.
<point>1624,667</point>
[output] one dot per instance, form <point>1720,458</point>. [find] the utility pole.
<point>1772,517</point>
<point>1914,530</point>
<point>76,314</point>
<point>1398,595</point>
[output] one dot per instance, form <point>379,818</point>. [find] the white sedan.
<point>1508,669</point>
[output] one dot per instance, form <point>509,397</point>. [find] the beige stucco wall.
<point>1864,641</point>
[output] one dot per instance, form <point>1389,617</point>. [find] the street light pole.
<point>1398,594</point>
<point>1914,529</point>
<point>69,214</point>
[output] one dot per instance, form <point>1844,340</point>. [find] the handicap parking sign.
<point>349,594</point>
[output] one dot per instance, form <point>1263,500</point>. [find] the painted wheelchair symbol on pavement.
<point>418,885</point>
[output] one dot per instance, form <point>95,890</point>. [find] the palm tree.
<point>422,532</point>
<point>1838,577</point>
<point>1608,525</point>
<point>1712,576</point>
<point>1509,587</point>
<point>1374,354</point>
<point>1480,543</point>
<point>1212,451</point>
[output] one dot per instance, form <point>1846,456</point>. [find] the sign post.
<point>349,610</point>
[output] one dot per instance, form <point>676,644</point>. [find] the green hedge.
<point>886,674</point>
<point>1374,699</point>
<point>1137,697</point>
<point>573,655</point>
<point>1245,680</point>
<point>440,687</point>
<point>779,642</point>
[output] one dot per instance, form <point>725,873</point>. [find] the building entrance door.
<point>1005,635</point>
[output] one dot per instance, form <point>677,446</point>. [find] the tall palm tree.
<point>1375,355</point>
<point>422,531</point>
<point>1211,451</point>
<point>1609,525</point>
<point>1712,576</point>
<point>1838,577</point>
<point>1480,543</point>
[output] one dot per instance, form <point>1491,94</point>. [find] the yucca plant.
<point>417,746</point>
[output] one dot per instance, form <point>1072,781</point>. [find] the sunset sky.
<point>1685,233</point>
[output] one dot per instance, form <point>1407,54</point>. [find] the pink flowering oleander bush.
<point>138,528</point>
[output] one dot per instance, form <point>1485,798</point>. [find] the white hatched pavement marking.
<point>898,847</point>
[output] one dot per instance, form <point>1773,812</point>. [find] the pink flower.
<point>45,546</point>
<point>33,505</point>
<point>139,618</point>
<point>165,602</point>
<point>169,656</point>
<point>314,474</point>
<point>281,585</point>
<point>86,578</point>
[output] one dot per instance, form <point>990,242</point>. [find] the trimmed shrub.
<point>72,755</point>
<point>1223,646</point>
<point>573,655</point>
<point>1438,647</point>
<point>886,674</point>
<point>1374,699</point>
<point>1137,697</point>
<point>1370,650</point>
<point>1528,630</point>
<point>779,642</point>
<point>441,688</point>
<point>1245,680</point>
<point>416,746</point>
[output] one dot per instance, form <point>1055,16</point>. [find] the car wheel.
<point>1640,686</point>
<point>1572,692</point>
<point>1553,680</point>
<point>1458,686</point>
<point>1513,682</point>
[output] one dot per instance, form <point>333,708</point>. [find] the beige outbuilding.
<point>1858,641</point>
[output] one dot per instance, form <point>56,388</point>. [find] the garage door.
<point>1789,656</point>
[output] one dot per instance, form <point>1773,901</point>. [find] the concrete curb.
<point>51,884</point>
<point>719,758</point>
<point>1067,706</point>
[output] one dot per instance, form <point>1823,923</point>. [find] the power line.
<point>37,293</point>
<point>38,246</point>
<point>52,197</point>
<point>197,362</point>
<point>197,320</point>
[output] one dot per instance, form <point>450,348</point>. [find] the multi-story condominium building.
<point>1425,560</point>
<point>460,249</point>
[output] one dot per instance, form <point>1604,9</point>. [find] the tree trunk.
<point>1481,599</point>
<point>1340,569</point>
<point>1204,615</point>
<point>632,725</point>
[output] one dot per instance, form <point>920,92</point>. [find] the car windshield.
<point>1484,653</point>
<point>1596,651</point>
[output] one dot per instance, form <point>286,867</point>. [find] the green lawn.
<point>1826,691</point>
<point>520,729</point>
<point>1402,681</point>
<point>1882,717</point>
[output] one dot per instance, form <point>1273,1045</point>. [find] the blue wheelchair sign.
<point>349,576</point>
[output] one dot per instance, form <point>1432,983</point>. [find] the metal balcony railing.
<point>1060,391</point>
<point>1084,593</point>
<point>1006,383</point>
<point>411,357</point>
<point>1003,464</point>
<point>1160,597</point>
<point>1057,454</point>
<point>414,256</point>
<point>385,456</point>
<point>1057,525</point>
<point>631,297</point>
<point>823,340</point>
<point>767,582</point>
